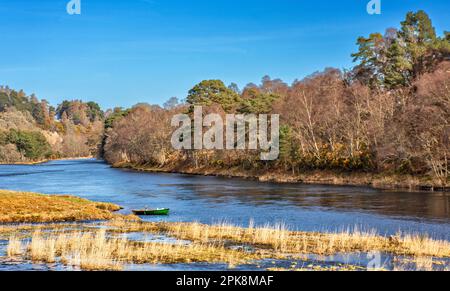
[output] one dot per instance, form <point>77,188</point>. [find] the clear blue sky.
<point>121,52</point>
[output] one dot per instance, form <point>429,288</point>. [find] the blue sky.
<point>121,52</point>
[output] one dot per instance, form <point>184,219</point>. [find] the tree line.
<point>389,114</point>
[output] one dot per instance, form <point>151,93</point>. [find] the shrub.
<point>9,154</point>
<point>33,145</point>
<point>3,138</point>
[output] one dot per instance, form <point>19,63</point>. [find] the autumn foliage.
<point>389,114</point>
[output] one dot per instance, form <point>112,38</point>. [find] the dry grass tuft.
<point>15,247</point>
<point>418,245</point>
<point>23,207</point>
<point>42,249</point>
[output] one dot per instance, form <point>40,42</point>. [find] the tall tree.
<point>210,92</point>
<point>369,55</point>
<point>397,69</point>
<point>419,36</point>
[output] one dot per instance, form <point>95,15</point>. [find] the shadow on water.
<point>27,173</point>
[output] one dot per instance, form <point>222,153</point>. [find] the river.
<point>213,200</point>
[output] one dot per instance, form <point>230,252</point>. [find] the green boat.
<point>148,212</point>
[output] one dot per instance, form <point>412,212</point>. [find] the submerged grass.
<point>24,207</point>
<point>105,248</point>
<point>278,238</point>
<point>94,250</point>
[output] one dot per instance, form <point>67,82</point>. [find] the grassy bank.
<point>380,181</point>
<point>21,207</point>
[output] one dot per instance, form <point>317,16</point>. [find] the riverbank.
<point>377,181</point>
<point>31,163</point>
<point>24,207</point>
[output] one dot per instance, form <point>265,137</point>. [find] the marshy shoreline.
<point>110,246</point>
<point>81,234</point>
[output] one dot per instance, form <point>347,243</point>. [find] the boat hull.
<point>151,212</point>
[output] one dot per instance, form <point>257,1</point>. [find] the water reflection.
<point>211,199</point>
<point>406,204</point>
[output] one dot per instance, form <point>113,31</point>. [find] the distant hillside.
<point>32,130</point>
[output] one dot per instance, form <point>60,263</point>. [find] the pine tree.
<point>287,149</point>
<point>210,92</point>
<point>398,68</point>
<point>419,36</point>
<point>370,53</point>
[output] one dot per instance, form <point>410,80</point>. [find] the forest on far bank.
<point>389,114</point>
<point>32,130</point>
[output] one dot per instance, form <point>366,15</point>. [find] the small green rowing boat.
<point>147,212</point>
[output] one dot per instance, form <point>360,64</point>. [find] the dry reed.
<point>280,239</point>
<point>15,247</point>
<point>96,251</point>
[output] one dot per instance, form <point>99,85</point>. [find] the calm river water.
<point>211,199</point>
